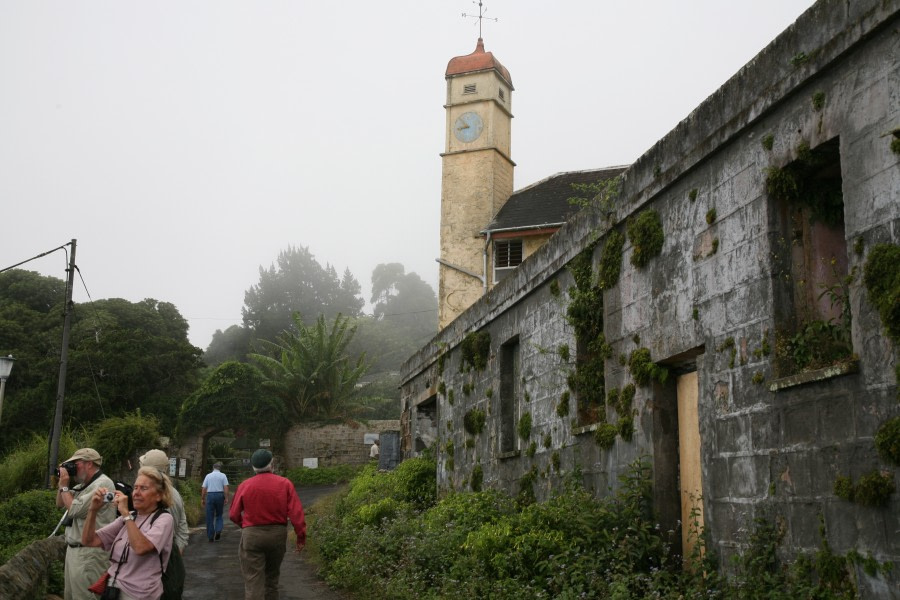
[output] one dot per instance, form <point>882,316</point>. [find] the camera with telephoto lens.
<point>70,467</point>
<point>109,496</point>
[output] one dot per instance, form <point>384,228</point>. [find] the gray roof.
<point>545,204</point>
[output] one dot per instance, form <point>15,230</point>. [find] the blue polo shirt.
<point>215,482</point>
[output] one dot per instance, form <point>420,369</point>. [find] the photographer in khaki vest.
<point>78,478</point>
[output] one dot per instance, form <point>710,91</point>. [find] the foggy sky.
<point>185,143</point>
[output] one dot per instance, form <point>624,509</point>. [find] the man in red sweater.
<point>262,507</point>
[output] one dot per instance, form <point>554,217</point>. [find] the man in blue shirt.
<point>214,496</point>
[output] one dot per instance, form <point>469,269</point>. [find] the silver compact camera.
<point>109,496</point>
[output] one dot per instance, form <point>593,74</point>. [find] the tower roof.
<point>477,61</point>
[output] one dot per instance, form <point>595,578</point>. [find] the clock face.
<point>468,126</point>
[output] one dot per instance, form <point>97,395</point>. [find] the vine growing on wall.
<point>646,235</point>
<point>475,350</point>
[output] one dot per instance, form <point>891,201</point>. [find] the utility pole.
<point>63,362</point>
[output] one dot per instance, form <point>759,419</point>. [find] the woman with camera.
<point>139,543</point>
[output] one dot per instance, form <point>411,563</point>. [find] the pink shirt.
<point>268,499</point>
<point>139,576</point>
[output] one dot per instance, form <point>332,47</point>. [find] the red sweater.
<point>268,499</point>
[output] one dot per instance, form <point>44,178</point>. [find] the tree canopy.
<point>233,397</point>
<point>123,356</point>
<point>298,284</point>
<point>310,369</point>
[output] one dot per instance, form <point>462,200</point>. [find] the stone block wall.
<point>334,444</point>
<point>711,303</point>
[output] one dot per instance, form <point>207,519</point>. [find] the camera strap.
<point>81,486</point>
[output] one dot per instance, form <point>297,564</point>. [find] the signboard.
<point>182,467</point>
<point>311,463</point>
<point>173,466</point>
<point>265,443</point>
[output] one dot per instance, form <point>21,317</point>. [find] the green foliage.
<point>799,59</point>
<point>605,435</point>
<point>548,440</point>
<point>475,350</point>
<point>190,494</point>
<point>24,518</point>
<point>554,289</point>
<point>806,182</point>
<point>758,378</point>
<point>233,396</point>
<point>25,467</point>
<point>524,426</point>
<point>817,344</point>
<point>643,369</point>
<point>887,441</point>
<point>601,195</point>
<point>298,283</point>
<point>531,450</point>
<point>768,141</point>
<point>895,145</point>
<point>477,478</point>
<point>118,439</point>
<point>711,216</point>
<point>323,475</point>
<point>563,351</point>
<point>881,276</point>
<point>562,409</point>
<point>473,421</point>
<point>646,235</point>
<point>626,427</point>
<point>610,266</point>
<point>311,371</point>
<point>692,195</point>
<point>818,101</point>
<point>872,489</point>
<point>122,356</point>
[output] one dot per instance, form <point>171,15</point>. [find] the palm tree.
<point>310,369</point>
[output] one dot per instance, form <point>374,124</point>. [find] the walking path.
<point>214,570</point>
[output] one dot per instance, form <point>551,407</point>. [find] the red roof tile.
<point>477,61</point>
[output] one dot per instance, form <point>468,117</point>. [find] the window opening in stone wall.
<point>812,304</point>
<point>502,95</point>
<point>469,88</point>
<point>426,424</point>
<point>509,394</point>
<point>507,256</point>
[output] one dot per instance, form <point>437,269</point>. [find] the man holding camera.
<point>83,565</point>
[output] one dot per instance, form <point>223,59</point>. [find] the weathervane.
<point>480,16</point>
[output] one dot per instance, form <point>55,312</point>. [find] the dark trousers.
<point>262,550</point>
<point>215,507</point>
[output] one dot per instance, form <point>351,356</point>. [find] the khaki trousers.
<point>84,566</point>
<point>262,550</point>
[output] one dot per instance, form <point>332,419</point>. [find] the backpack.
<point>173,573</point>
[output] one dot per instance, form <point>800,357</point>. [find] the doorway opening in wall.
<point>676,408</point>
<point>233,450</point>
<point>809,250</point>
<point>509,395</point>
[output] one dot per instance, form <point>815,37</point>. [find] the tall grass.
<point>25,468</point>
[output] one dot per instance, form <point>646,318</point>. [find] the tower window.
<point>507,256</point>
<point>502,95</point>
<point>469,88</point>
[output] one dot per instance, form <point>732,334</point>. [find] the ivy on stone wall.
<point>475,350</point>
<point>646,235</point>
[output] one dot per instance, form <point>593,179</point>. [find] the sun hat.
<point>261,459</point>
<point>156,459</point>
<point>88,454</point>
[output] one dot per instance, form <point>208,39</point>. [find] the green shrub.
<point>25,468</point>
<point>475,349</point>
<point>643,369</point>
<point>605,435</point>
<point>887,441</point>
<point>881,276</point>
<point>117,439</point>
<point>874,489</point>
<point>473,421</point>
<point>26,517</point>
<point>646,234</point>
<point>323,475</point>
<point>524,426</point>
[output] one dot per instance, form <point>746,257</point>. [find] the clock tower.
<point>477,175</point>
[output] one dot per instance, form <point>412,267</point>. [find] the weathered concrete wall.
<point>764,453</point>
<point>332,444</point>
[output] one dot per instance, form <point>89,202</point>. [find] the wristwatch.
<point>128,518</point>
<point>64,488</point>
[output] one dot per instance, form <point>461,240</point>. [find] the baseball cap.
<point>155,458</point>
<point>261,459</point>
<point>88,454</point>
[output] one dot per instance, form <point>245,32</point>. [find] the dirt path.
<point>214,571</point>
